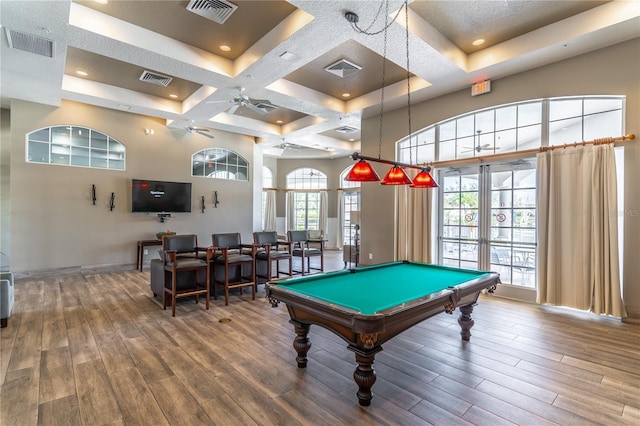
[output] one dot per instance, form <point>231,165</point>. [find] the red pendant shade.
<point>362,172</point>
<point>424,180</point>
<point>396,176</point>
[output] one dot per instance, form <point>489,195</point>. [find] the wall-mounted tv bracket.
<point>215,199</point>
<point>93,194</point>
<point>112,201</point>
<point>164,217</point>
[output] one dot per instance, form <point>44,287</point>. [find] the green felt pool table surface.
<point>375,288</point>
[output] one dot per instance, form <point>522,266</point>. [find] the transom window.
<point>515,127</point>
<point>219,163</point>
<point>306,178</point>
<point>75,146</point>
<point>306,184</point>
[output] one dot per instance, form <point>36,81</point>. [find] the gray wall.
<point>5,186</point>
<point>611,71</point>
<point>53,222</point>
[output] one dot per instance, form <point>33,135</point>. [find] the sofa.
<point>7,297</point>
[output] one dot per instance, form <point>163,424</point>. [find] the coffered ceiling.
<point>279,52</point>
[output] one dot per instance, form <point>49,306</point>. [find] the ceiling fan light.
<point>396,176</point>
<point>362,172</point>
<point>424,180</point>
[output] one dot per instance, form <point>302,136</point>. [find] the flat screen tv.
<point>152,196</point>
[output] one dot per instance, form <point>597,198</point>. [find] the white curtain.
<point>269,219</point>
<point>291,211</point>
<point>578,229</point>
<point>324,212</point>
<point>414,212</point>
<point>340,227</point>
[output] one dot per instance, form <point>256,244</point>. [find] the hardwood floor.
<point>96,349</point>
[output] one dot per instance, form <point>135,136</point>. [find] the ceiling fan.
<point>191,128</point>
<point>478,147</point>
<point>242,100</point>
<point>284,147</point>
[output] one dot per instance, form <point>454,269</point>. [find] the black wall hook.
<point>202,204</point>
<point>215,199</point>
<point>93,194</point>
<point>112,201</point>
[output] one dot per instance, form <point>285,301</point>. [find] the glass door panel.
<point>512,234</point>
<point>460,220</point>
<point>488,220</point>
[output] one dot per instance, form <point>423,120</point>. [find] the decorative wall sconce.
<point>93,194</point>
<point>202,204</point>
<point>215,199</point>
<point>112,201</point>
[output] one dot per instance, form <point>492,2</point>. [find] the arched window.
<point>219,163</point>
<point>75,146</point>
<point>305,187</point>
<point>515,127</point>
<point>267,177</point>
<point>350,203</point>
<point>268,200</point>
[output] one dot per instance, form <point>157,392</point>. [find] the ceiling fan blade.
<point>259,101</point>
<point>203,133</point>
<point>233,109</point>
<point>218,102</point>
<point>255,109</point>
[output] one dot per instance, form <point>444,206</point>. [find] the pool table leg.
<point>465,321</point>
<point>301,343</point>
<point>364,374</point>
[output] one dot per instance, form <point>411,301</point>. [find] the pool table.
<point>369,305</point>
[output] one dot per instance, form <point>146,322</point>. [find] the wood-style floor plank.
<point>59,412</point>
<point>97,348</point>
<point>96,397</point>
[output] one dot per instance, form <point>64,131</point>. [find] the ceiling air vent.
<point>343,68</point>
<point>265,107</point>
<point>346,129</point>
<point>215,10</point>
<point>29,43</point>
<point>155,78</point>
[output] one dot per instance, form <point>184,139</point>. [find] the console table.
<point>141,245</point>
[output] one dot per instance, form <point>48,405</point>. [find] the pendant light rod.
<point>358,156</point>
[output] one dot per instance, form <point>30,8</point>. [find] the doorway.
<point>487,220</point>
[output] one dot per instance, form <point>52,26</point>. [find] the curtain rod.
<point>526,152</point>
<point>297,190</point>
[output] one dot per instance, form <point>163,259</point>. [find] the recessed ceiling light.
<point>225,48</point>
<point>173,95</point>
<point>82,73</point>
<point>102,1</point>
<point>478,42</point>
<point>351,140</point>
<point>346,95</point>
<point>279,121</point>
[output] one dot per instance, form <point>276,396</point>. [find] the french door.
<point>487,220</point>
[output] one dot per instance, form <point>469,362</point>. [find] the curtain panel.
<point>577,233</point>
<point>290,211</point>
<point>324,212</point>
<point>414,213</point>
<point>269,219</point>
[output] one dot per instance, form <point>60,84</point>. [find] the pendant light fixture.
<point>362,171</point>
<point>396,176</point>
